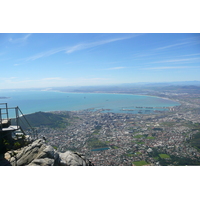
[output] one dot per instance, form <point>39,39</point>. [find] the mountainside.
<point>38,119</point>
<point>38,153</point>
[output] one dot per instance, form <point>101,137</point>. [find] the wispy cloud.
<point>93,79</point>
<point>52,78</point>
<point>173,45</point>
<point>19,40</point>
<point>8,78</point>
<point>77,47</point>
<point>177,60</point>
<point>195,40</point>
<point>169,67</point>
<point>45,54</point>
<point>188,55</point>
<point>16,80</point>
<point>115,68</point>
<point>157,51</point>
<point>97,43</point>
<point>141,55</point>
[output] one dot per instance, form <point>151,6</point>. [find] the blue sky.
<point>75,59</point>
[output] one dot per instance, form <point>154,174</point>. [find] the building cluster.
<point>130,137</point>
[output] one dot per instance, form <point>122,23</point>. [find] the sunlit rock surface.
<point>39,153</point>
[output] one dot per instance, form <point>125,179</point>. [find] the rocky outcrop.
<point>73,159</point>
<point>39,153</point>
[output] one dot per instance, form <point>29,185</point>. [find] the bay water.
<point>35,101</point>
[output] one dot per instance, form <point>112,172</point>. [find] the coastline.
<point>41,101</point>
<point>112,93</point>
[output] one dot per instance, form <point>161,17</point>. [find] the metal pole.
<point>7,110</point>
<point>1,120</point>
<point>17,116</point>
<point>34,132</point>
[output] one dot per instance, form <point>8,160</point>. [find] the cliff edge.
<point>38,153</point>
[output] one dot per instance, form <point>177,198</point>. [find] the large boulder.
<point>36,153</point>
<point>39,153</point>
<point>70,158</point>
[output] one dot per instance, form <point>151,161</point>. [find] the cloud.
<point>97,43</point>
<point>194,54</point>
<point>52,78</point>
<point>170,67</point>
<point>170,46</point>
<point>139,55</point>
<point>177,60</point>
<point>116,68</point>
<point>8,79</point>
<point>16,80</point>
<point>157,51</point>
<point>19,40</point>
<point>45,54</point>
<point>89,81</point>
<point>92,79</point>
<point>77,47</point>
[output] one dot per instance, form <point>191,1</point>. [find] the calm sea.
<point>34,101</point>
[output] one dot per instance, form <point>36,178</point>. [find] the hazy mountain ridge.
<point>112,87</point>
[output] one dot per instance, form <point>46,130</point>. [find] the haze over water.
<point>34,101</point>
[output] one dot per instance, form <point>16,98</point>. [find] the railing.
<point>2,113</point>
<point>18,118</point>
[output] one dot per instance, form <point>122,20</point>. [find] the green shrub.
<point>17,145</point>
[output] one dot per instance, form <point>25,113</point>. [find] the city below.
<point>168,137</point>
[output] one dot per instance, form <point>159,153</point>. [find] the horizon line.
<point>107,85</point>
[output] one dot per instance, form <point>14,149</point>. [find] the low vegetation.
<point>195,142</point>
<point>51,120</point>
<point>164,156</point>
<point>114,147</point>
<point>95,143</point>
<point>140,163</point>
<point>138,136</point>
<point>151,137</point>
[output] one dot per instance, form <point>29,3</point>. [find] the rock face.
<point>39,153</point>
<point>73,159</point>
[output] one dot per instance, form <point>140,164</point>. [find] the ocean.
<point>35,101</point>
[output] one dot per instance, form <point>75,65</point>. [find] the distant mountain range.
<point>165,83</point>
<point>113,87</point>
<point>131,87</point>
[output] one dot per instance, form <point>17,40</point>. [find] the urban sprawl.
<point>125,139</point>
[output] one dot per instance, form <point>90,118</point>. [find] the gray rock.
<point>71,159</point>
<point>29,153</point>
<point>46,157</point>
<point>42,162</point>
<point>39,153</point>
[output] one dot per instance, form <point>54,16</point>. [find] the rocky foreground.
<point>39,153</point>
